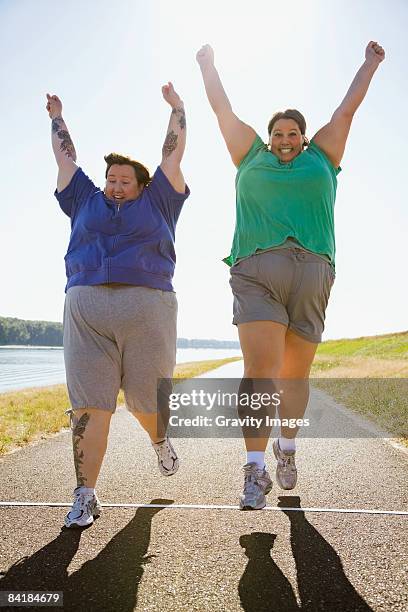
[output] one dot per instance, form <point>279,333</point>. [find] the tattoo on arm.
<point>67,146</point>
<point>56,124</point>
<point>77,436</point>
<point>170,144</point>
<point>60,129</point>
<point>180,112</point>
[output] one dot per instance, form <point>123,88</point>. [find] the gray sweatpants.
<point>118,337</point>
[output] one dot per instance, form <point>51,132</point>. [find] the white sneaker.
<point>85,509</point>
<point>286,472</point>
<point>257,484</point>
<point>166,457</point>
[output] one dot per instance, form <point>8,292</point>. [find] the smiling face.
<point>286,140</point>
<point>122,184</point>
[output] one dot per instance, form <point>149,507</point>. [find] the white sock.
<point>257,457</point>
<point>287,444</point>
<point>87,490</point>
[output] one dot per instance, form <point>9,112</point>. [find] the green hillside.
<point>388,346</point>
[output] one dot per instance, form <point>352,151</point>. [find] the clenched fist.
<point>374,53</point>
<point>170,95</point>
<point>54,106</point>
<point>205,55</point>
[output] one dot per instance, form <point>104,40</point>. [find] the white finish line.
<point>210,507</point>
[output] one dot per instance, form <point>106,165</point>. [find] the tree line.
<point>48,333</point>
<point>35,333</point>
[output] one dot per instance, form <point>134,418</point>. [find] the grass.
<point>383,401</point>
<point>388,346</point>
<point>382,361</point>
<point>32,414</point>
<point>368,357</point>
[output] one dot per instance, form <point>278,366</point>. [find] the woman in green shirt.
<point>283,254</point>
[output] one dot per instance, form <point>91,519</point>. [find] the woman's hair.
<point>290,113</point>
<point>142,173</point>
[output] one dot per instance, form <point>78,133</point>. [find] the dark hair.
<point>141,172</point>
<point>290,113</point>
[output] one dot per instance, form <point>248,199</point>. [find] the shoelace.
<point>81,500</point>
<point>250,481</point>
<point>162,445</point>
<point>164,450</point>
<point>287,462</point>
<point>167,449</point>
<point>250,486</point>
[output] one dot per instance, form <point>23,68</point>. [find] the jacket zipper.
<point>114,242</point>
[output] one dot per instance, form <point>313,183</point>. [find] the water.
<point>22,367</point>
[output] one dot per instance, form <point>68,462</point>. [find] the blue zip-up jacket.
<point>131,244</point>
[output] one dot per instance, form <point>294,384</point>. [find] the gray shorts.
<point>290,286</point>
<point>118,337</point>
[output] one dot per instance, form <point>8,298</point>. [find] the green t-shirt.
<point>276,201</point>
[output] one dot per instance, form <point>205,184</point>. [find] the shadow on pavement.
<point>322,583</point>
<point>263,586</point>
<point>110,581</point>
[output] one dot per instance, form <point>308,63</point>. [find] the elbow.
<point>345,112</point>
<point>215,107</point>
<point>220,107</point>
<point>171,163</point>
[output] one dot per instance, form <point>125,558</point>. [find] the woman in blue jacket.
<point>120,308</point>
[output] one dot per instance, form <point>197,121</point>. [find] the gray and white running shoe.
<point>257,484</point>
<point>85,509</point>
<point>166,457</point>
<point>286,472</point>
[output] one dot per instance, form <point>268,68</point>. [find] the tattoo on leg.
<point>181,116</point>
<point>170,144</point>
<point>77,436</point>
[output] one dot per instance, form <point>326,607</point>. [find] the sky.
<point>107,62</point>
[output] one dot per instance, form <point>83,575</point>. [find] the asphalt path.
<point>165,557</point>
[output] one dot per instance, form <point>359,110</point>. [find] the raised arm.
<point>63,147</point>
<point>238,135</point>
<point>175,142</point>
<point>332,137</point>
